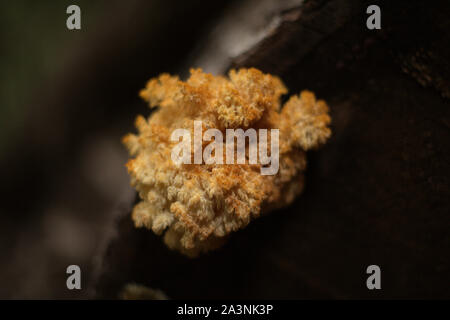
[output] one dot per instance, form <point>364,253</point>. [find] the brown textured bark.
<point>377,193</point>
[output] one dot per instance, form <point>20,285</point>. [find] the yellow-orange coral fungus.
<point>197,205</point>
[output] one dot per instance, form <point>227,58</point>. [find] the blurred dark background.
<point>378,192</point>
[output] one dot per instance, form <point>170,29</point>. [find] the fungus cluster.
<point>196,206</point>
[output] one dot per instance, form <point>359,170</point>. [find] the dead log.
<point>378,193</point>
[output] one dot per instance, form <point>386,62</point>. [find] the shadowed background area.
<point>378,193</point>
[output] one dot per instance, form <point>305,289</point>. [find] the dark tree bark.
<point>377,193</point>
